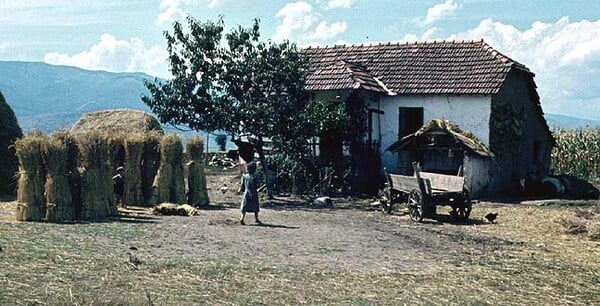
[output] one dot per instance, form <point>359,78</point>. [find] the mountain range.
<point>48,97</point>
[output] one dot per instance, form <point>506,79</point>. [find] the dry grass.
<point>526,261</point>
<point>117,121</point>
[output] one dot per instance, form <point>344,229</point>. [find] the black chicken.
<point>491,217</point>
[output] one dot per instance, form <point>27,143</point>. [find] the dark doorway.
<point>410,119</point>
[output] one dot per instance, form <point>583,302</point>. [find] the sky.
<point>558,40</point>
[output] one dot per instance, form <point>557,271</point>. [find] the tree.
<point>221,140</point>
<point>240,85</point>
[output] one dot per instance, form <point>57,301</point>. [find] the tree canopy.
<point>234,82</point>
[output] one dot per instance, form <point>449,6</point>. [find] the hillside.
<point>51,97</point>
<point>567,122</point>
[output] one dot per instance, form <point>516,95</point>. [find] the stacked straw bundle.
<point>197,193</point>
<point>30,186</point>
<point>59,206</point>
<point>116,150</point>
<point>169,183</point>
<point>134,148</point>
<point>72,164</point>
<point>150,164</point>
<point>96,185</point>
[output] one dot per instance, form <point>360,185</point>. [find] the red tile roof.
<point>446,67</point>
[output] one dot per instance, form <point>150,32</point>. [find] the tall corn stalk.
<point>577,152</point>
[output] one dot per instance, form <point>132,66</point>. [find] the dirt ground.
<point>351,237</point>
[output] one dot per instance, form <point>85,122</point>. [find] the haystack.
<point>9,132</point>
<point>169,183</point>
<point>150,164</point>
<point>59,205</point>
<point>96,185</point>
<point>117,121</point>
<point>30,191</point>
<point>197,193</point>
<point>134,147</point>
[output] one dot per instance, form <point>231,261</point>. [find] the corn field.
<point>577,152</point>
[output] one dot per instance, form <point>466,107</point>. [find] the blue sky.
<point>558,40</point>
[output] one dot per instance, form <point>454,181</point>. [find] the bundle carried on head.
<point>30,186</point>
<point>169,183</point>
<point>197,194</point>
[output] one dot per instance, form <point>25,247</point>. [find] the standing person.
<point>250,197</point>
<point>119,185</point>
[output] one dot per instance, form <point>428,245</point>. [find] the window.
<point>410,119</point>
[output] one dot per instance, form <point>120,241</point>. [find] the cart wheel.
<point>415,205</point>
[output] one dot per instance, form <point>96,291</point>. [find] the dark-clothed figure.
<point>250,198</point>
<point>119,185</point>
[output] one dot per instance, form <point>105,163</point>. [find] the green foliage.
<point>241,85</point>
<point>577,152</point>
<point>221,140</point>
<point>9,132</point>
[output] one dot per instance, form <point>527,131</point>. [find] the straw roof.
<point>9,132</point>
<point>466,139</point>
<point>117,121</point>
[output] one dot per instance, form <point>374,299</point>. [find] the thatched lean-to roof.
<point>463,138</point>
<point>9,132</point>
<point>124,121</point>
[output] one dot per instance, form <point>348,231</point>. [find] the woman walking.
<point>250,197</point>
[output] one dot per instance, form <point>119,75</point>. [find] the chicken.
<point>491,217</point>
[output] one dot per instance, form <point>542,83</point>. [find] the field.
<point>538,252</point>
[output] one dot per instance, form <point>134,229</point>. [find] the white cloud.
<point>325,31</point>
<point>115,55</point>
<point>4,46</point>
<point>331,4</point>
<point>301,24</point>
<point>169,11</point>
<point>295,17</point>
<point>440,11</point>
<point>564,55</point>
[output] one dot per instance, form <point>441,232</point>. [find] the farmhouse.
<point>456,107</point>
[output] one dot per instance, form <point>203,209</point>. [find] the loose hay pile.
<point>169,183</point>
<point>171,209</point>
<point>197,193</point>
<point>59,205</point>
<point>584,221</point>
<point>30,192</point>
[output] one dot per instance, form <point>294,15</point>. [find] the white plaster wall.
<point>470,113</point>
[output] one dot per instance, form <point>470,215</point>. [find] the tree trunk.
<point>268,176</point>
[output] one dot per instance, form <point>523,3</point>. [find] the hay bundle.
<point>96,185</point>
<point>134,147</point>
<point>72,166</point>
<point>150,164</point>
<point>171,209</point>
<point>30,186</point>
<point>169,183</point>
<point>59,206</point>
<point>197,193</point>
<point>116,150</point>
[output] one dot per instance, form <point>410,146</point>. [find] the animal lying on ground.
<point>491,217</point>
<point>174,210</point>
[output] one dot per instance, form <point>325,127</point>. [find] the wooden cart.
<point>424,191</point>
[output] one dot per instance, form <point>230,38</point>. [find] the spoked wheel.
<point>415,205</point>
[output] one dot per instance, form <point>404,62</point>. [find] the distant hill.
<point>49,97</point>
<point>566,122</point>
